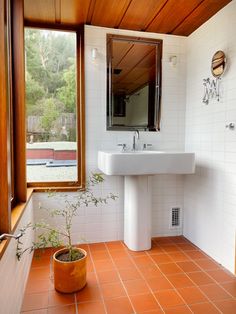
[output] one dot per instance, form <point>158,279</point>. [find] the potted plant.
<point>69,262</point>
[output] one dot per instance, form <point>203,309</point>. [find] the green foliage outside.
<point>50,77</point>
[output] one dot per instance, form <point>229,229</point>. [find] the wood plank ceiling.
<point>178,17</point>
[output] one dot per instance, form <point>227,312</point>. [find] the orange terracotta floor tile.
<point>102,265</point>
<point>170,268</point>
<point>180,281</point>
<point>160,283</point>
<point>192,295</point>
<point>89,293</point>
<point>207,308</point>
<point>150,271</point>
<point>96,307</point>
<point>56,298</point>
<point>35,301</point>
<point>220,275</point>
<point>178,256</point>
<point>200,278</point>
<point>118,306</point>
<point>170,248</point>
<point>207,264</point>
<point>129,274</point>
<point>188,266</point>
<point>169,298</point>
<point>37,286</point>
<point>68,309</point>
<point>123,263</point>
<point>214,292</point>
<point>173,277</point>
<point>227,306</point>
<point>161,258</point>
<point>230,287</point>
<point>144,302</point>
<point>115,245</point>
<point>113,290</point>
<point>182,309</point>
<point>138,286</point>
<point>143,261</point>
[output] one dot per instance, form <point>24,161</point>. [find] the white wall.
<point>14,273</point>
<point>210,194</point>
<point>106,222</point>
<point>168,190</point>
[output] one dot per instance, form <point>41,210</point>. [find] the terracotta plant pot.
<point>69,276</point>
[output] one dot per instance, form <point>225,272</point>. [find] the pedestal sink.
<point>138,167</point>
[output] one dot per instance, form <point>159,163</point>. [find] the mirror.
<point>218,63</point>
<point>133,83</point>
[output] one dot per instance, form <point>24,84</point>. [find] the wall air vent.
<point>175,217</point>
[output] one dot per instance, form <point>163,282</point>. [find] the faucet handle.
<point>123,146</point>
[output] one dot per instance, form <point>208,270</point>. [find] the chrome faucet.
<point>136,135</point>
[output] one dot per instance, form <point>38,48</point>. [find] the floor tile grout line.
<point>198,285</point>
<point>174,288</point>
<point>76,307</point>
<point>95,271</point>
<point>121,282</point>
<point>215,281</point>
<point>204,270</point>
<point>133,257</point>
<point>193,260</point>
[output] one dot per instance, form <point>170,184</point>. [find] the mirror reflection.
<point>134,83</point>
<point>218,63</point>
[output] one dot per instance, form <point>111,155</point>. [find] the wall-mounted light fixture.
<point>173,60</point>
<point>94,53</point>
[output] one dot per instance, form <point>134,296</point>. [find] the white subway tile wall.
<point>14,274</point>
<point>210,194</point>
<point>106,223</point>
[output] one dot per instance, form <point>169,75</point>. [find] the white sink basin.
<point>145,162</point>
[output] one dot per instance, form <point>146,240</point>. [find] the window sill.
<point>16,215</point>
<point>19,209</point>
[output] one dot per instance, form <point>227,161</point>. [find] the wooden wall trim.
<point>81,107</point>
<point>5,157</point>
<point>18,64</point>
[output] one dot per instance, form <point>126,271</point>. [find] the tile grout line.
<point>173,287</point>
<point>120,277</point>
<point>198,285</point>
<point>95,271</point>
<point>192,260</point>
<point>150,256</point>
<point>195,283</point>
<point>202,269</point>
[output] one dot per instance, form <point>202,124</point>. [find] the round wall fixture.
<point>218,63</point>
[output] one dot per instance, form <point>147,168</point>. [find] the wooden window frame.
<point>80,183</point>
<point>12,78</point>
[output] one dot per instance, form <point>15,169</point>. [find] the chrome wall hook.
<point>7,235</point>
<point>230,126</point>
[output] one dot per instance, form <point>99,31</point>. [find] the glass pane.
<point>51,105</point>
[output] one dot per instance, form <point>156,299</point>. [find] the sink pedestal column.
<point>137,220</point>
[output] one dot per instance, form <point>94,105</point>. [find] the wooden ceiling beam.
<point>178,17</point>
<point>171,15</point>
<point>57,4</point>
<point>199,16</point>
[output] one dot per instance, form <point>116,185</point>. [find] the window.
<point>54,111</point>
<point>51,132</point>
<point>57,113</point>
